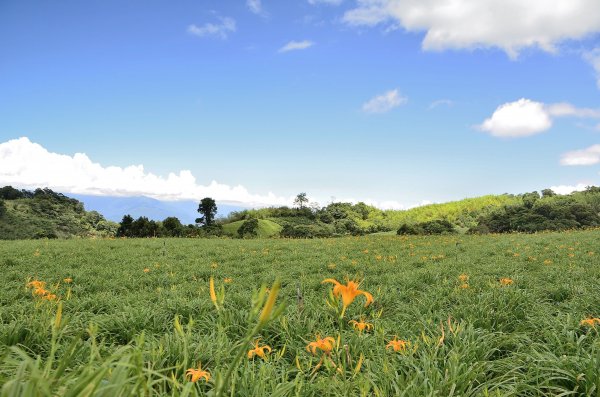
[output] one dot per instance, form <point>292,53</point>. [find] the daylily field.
<point>366,316</point>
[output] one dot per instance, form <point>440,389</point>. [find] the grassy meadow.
<point>495,315</point>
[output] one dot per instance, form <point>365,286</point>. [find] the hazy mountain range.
<point>114,208</point>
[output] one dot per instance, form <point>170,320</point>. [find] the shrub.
<point>249,228</point>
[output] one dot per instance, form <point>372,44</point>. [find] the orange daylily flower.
<point>259,350</point>
<point>146,270</point>
<point>506,281</point>
<point>50,297</point>
<point>398,345</point>
<point>463,277</point>
<point>40,292</point>
<point>68,280</point>
<point>197,374</point>
<point>326,345</point>
<point>349,292</point>
<point>590,321</point>
<point>36,284</point>
<point>360,326</point>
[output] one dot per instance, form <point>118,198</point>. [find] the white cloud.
<point>515,119</point>
<point>296,45</point>
<point>526,117</point>
<point>222,29</point>
<point>593,57</point>
<point>587,156</point>
<point>566,109</point>
<point>29,165</point>
<point>568,189</point>
<point>441,102</point>
<point>330,2</point>
<point>508,24</point>
<point>255,6</point>
<point>384,102</point>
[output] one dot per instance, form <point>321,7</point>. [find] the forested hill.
<point>347,218</point>
<point>528,212</point>
<point>46,214</point>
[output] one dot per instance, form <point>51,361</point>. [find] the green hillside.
<point>338,219</point>
<point>266,228</point>
<point>46,214</point>
<point>528,212</point>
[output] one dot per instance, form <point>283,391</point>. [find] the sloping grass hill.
<point>266,228</point>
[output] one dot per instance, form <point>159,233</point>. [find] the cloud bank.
<point>526,117</point>
<point>29,165</point>
<point>384,103</point>
<point>568,189</point>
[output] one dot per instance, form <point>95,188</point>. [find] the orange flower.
<point>50,297</point>
<point>259,350</point>
<point>592,321</point>
<point>360,326</point>
<point>349,292</point>
<point>146,270</point>
<point>506,281</point>
<point>68,280</point>
<point>326,345</point>
<point>464,286</point>
<point>40,292</point>
<point>463,277</point>
<point>197,374</point>
<point>36,284</point>
<point>228,280</point>
<point>398,345</point>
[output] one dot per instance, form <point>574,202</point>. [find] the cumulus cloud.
<point>222,29</point>
<point>516,119</point>
<point>593,57</point>
<point>384,102</point>
<point>587,156</point>
<point>461,24</point>
<point>526,117</point>
<point>296,45</point>
<point>568,189</point>
<point>29,165</point>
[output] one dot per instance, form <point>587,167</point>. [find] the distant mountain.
<point>113,208</point>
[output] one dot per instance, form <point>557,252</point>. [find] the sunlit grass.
<point>134,316</point>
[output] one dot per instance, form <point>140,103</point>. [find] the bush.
<point>248,229</point>
<point>437,226</point>
<point>306,231</point>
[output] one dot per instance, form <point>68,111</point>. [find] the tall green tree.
<point>125,227</point>
<point>173,226</point>
<point>301,200</point>
<point>208,210</point>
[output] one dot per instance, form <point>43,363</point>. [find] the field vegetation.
<point>453,315</point>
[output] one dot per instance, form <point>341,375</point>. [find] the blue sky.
<point>394,102</point>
